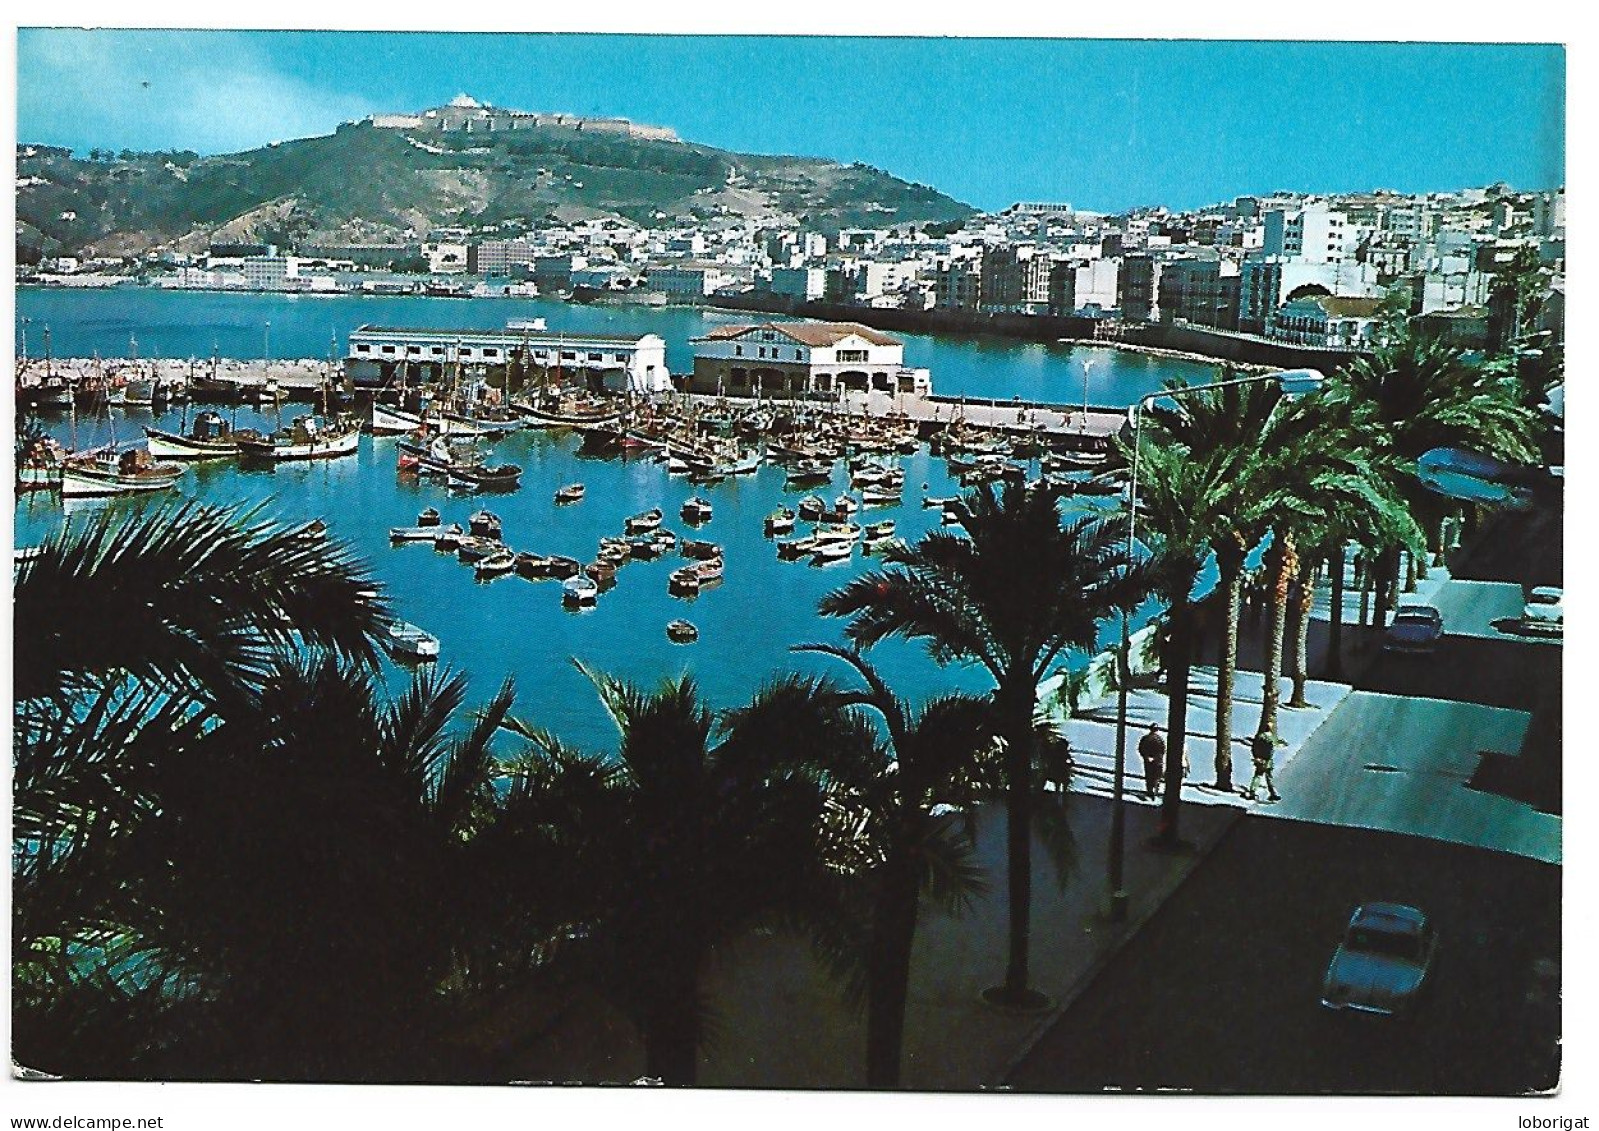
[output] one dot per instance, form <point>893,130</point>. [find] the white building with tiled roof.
<point>385,355</point>
<point>800,359</point>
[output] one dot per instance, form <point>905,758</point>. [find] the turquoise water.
<point>511,625</point>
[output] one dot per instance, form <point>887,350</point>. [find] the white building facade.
<point>379,356</point>
<point>802,359</point>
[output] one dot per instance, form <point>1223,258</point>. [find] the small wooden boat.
<point>710,571</point>
<point>428,517</point>
<point>571,493</point>
<point>644,522</point>
<point>697,510</point>
<point>838,532</point>
<point>497,564</point>
<point>790,549</point>
<point>682,632</point>
<point>603,573</point>
<point>809,472</point>
<point>413,533</point>
<point>811,507</point>
<point>704,551</point>
<point>880,497</point>
<point>645,547</point>
<point>535,567</point>
<point>684,582</point>
<point>480,477</point>
<point>708,477</point>
<point>666,540</point>
<point>564,567</point>
<point>878,531</point>
<point>935,501</point>
<point>579,591</point>
<point>410,641</point>
<point>449,538</point>
<point>209,438</point>
<point>832,551</point>
<point>474,549</point>
<point>485,524</point>
<point>780,521</point>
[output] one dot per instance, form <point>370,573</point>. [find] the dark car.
<point>1415,628</point>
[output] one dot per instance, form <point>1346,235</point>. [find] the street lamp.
<point>1292,382</point>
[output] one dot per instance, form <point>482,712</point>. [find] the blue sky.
<point>1104,124</point>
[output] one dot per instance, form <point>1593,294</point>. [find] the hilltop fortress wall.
<point>465,115</point>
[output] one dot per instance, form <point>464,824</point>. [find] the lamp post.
<point>1291,381</point>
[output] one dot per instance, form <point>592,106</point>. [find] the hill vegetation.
<point>369,184</point>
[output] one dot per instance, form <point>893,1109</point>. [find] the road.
<point>1219,992</point>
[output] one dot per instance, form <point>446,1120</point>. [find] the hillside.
<point>369,184</point>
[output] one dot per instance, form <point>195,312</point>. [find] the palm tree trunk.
<point>1384,573</point>
<point>1231,566</point>
<point>888,970</point>
<point>1018,726</point>
<point>1335,617</point>
<point>1179,659</point>
<point>1410,571</point>
<point>1285,564</point>
<point>1306,602</point>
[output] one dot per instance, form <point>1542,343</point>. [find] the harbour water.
<point>512,626</point>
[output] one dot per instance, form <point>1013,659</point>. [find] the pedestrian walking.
<point>1264,750</point>
<point>1152,749</point>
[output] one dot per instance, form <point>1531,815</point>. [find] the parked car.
<point>1383,963</point>
<point>1415,628</point>
<point>1545,611</point>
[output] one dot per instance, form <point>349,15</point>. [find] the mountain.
<point>376,181</point>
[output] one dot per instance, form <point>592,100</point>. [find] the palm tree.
<point>697,829</point>
<point>898,814</point>
<point>1011,595</point>
<point>1424,395</point>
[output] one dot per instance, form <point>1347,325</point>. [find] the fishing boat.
<point>486,524</point>
<point>710,571</point>
<point>939,501</point>
<point>681,632</point>
<point>571,493</point>
<point>697,510</point>
<point>780,521</point>
<point>880,497</point>
<point>410,641</point>
<point>812,507</point>
<point>809,472</point>
<point>666,540</point>
<point>684,582</point>
<point>1073,460</point>
<point>399,534</point>
<point>109,473</point>
<point>845,504</point>
<point>497,564</point>
<point>473,548</point>
<point>790,549</point>
<point>603,573</point>
<point>136,392</point>
<point>707,478</point>
<point>878,531</point>
<point>428,517</point>
<point>448,539</point>
<point>482,422</point>
<point>837,532</point>
<point>532,566</point>
<point>209,438</point>
<point>308,437</point>
<point>834,551</point>
<point>563,567</point>
<point>39,463</point>
<point>645,547</point>
<point>644,522</point>
<point>390,421</point>
<point>703,551</point>
<point>579,591</point>
<point>479,477</point>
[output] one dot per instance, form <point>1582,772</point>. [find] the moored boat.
<point>832,551</point>
<point>497,564</point>
<point>780,521</point>
<point>579,590</point>
<point>697,510</point>
<point>413,533</point>
<point>131,472</point>
<point>703,551</point>
<point>532,566</point>
<point>644,522</point>
<point>428,517</point>
<point>878,531</point>
<point>564,567</point>
<point>790,549</point>
<point>308,437</point>
<point>486,524</point>
<point>571,493</point>
<point>811,507</point>
<point>413,642</point>
<point>684,582</point>
<point>448,539</point>
<point>682,632</point>
<point>209,438</point>
<point>472,548</point>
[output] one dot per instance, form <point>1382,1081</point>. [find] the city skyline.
<point>1139,123</point>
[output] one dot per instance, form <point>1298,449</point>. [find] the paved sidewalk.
<point>779,1021</point>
